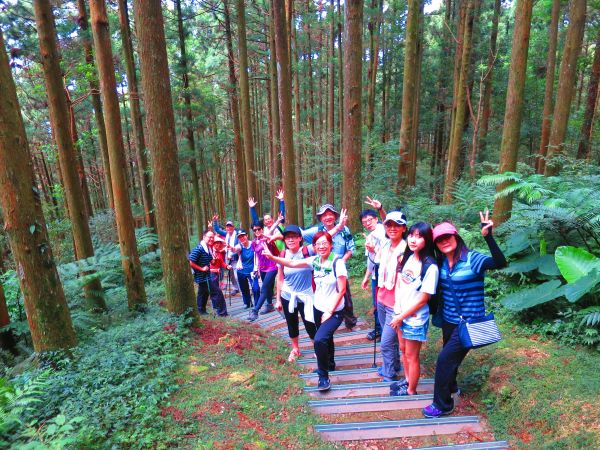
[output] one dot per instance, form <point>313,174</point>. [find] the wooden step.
<point>344,361</point>
<point>495,445</point>
<point>376,389</point>
<point>390,429</point>
<point>345,376</point>
<point>370,404</point>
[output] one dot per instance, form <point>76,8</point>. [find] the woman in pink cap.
<point>461,283</point>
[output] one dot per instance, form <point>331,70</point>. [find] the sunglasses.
<point>257,229</point>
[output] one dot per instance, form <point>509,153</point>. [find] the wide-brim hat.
<point>395,216</point>
<point>444,228</point>
<point>325,207</point>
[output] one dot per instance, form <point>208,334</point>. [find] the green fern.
<point>591,316</point>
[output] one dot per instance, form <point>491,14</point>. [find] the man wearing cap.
<point>200,259</point>
<point>246,268</point>
<point>373,242</point>
<point>343,247</point>
<point>230,236</point>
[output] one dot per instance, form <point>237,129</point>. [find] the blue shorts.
<point>418,333</point>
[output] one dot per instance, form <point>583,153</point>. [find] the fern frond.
<point>496,179</point>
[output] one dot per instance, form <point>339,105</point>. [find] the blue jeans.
<point>324,346</point>
<point>446,368</point>
<point>390,349</point>
<point>266,291</point>
<point>245,283</point>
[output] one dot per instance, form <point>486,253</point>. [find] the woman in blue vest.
<point>461,282</point>
<point>246,268</point>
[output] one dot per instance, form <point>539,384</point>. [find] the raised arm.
<point>216,227</point>
<point>296,263</point>
<point>343,219</point>
<point>281,203</point>
<point>498,258</point>
<point>253,213</point>
<point>376,204</point>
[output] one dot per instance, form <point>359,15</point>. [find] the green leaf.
<point>52,429</point>
<point>548,266</point>
<point>526,298</point>
<point>60,419</point>
<point>575,262</point>
<point>527,264</point>
<point>584,285</point>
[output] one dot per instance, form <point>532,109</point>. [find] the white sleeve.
<point>340,268</point>
<point>430,280</point>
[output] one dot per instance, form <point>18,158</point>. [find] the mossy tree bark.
<point>134,279</point>
<point>566,86</point>
<point>352,141</point>
<point>513,113</point>
<point>284,88</point>
<point>45,304</point>
<point>160,123</point>
<point>60,121</point>
<point>136,118</point>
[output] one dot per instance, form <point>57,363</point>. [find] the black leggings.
<point>292,320</point>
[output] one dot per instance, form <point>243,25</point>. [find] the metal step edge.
<point>340,372</point>
<point>349,333</point>
<point>379,384</point>
<point>395,423</point>
<point>339,358</point>
<point>492,445</point>
<point>367,400</point>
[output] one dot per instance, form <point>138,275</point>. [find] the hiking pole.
<point>229,286</point>
<point>374,365</point>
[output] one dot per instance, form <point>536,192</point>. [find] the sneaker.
<point>432,412</point>
<point>398,384</point>
<point>390,379</point>
<point>402,391</point>
<point>324,384</point>
<point>267,309</point>
<point>252,316</point>
<point>372,335</point>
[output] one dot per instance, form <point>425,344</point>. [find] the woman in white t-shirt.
<point>330,277</point>
<point>415,284</point>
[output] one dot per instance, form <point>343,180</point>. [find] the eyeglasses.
<point>256,229</point>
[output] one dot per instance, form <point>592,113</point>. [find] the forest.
<point>126,126</point>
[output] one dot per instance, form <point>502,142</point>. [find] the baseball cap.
<point>395,216</point>
<point>219,239</point>
<point>242,233</point>
<point>292,229</point>
<point>444,228</point>
<point>229,222</point>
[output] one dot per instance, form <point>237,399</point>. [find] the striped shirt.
<point>464,284</point>
<point>201,256</point>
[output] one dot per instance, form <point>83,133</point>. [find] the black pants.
<point>202,296</point>
<point>324,346</point>
<point>348,311</point>
<point>292,320</point>
<point>446,368</point>
<point>216,295</point>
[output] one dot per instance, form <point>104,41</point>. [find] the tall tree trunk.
<point>311,87</point>
<point>89,210</point>
<point>487,90</point>
<point>245,101</point>
<point>136,118</point>
<point>7,339</point>
<point>549,90</point>
<point>189,130</point>
<point>583,150</point>
<point>352,142</point>
<point>566,85</point>
<point>240,167</point>
<point>134,279</point>
<point>59,118</point>
<point>45,304</point>
<point>340,83</point>
<point>414,139</point>
<point>274,95</point>
<point>331,102</point>
<point>96,102</point>
<point>458,117</point>
<point>408,94</point>
<point>160,123</point>
<point>509,148</point>
<point>285,110</point>
<point>374,25</point>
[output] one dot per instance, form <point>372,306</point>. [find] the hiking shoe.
<point>252,316</point>
<point>403,390</point>
<point>398,384</point>
<point>324,384</point>
<point>372,335</point>
<point>267,309</point>
<point>432,412</point>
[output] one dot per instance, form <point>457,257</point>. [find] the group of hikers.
<point>412,271</point>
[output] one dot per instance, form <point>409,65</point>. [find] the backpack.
<point>434,300</point>
<point>335,259</point>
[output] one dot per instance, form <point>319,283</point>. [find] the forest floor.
<point>238,391</point>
